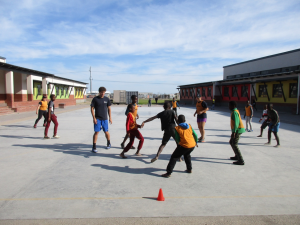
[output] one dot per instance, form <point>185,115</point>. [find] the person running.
<point>237,128</point>
<point>266,121</point>
<point>167,119</point>
<point>149,102</point>
<point>213,104</point>
<point>201,109</point>
<point>51,117</point>
<point>42,111</point>
<point>186,138</point>
<point>175,105</point>
<point>134,100</point>
<point>100,106</point>
<point>132,129</point>
<point>274,125</point>
<point>248,115</point>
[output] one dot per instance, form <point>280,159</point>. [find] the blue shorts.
<point>275,128</point>
<point>101,123</point>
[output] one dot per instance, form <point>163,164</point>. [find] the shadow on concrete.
<point>227,143</point>
<point>23,126</point>
<point>151,138</point>
<point>228,136</point>
<point>147,171</point>
<point>20,137</point>
<point>209,161</point>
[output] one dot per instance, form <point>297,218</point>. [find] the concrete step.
<point>3,104</point>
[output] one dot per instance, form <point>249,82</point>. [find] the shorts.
<point>274,128</point>
<point>101,123</point>
<point>167,135</point>
<point>265,124</point>
<point>199,120</point>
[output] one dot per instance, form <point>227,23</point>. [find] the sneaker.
<point>46,137</point>
<point>108,146</point>
<point>44,124</point>
<point>94,150</point>
<point>277,146</point>
<point>233,158</point>
<point>132,147</point>
<point>56,136</point>
<point>268,143</point>
<point>250,130</point>
<point>34,126</point>
<point>188,171</point>
<point>259,136</point>
<point>238,163</point>
<point>166,175</point>
<point>122,146</point>
<point>203,140</point>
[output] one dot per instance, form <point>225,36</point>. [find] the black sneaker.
<point>122,146</point>
<point>238,163</point>
<point>132,147</point>
<point>166,175</point>
<point>188,171</point>
<point>233,158</point>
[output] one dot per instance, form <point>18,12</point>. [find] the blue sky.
<point>155,44</point>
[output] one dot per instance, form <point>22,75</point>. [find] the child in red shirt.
<point>132,129</point>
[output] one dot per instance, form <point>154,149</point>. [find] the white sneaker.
<point>56,136</point>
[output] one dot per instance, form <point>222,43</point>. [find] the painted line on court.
<point>128,198</point>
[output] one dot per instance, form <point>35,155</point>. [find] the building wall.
<point>186,95</point>
<point>286,90</point>
<point>285,60</point>
<point>239,92</point>
<point>2,85</point>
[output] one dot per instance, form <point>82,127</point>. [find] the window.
<point>293,90</point>
<point>209,92</point>
<point>57,91</point>
<point>187,92</point>
<point>263,91</point>
<point>182,92</point>
<point>198,91</point>
<point>226,91</point>
<point>277,91</point>
<point>244,91</point>
<point>66,91</point>
<point>61,91</point>
<point>234,92</point>
<point>191,92</point>
<point>39,88</point>
<point>203,92</point>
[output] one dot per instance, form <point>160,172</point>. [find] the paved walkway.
<point>61,178</point>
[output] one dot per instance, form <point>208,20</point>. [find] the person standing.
<point>42,111</point>
<point>274,125</point>
<point>175,105</point>
<point>201,109</point>
<point>156,99</point>
<point>213,104</point>
<point>134,101</point>
<point>132,128</point>
<point>186,138</point>
<point>254,104</point>
<point>237,128</point>
<point>100,106</point>
<point>51,117</point>
<point>248,115</point>
<point>149,102</point>
<point>266,121</point>
<point>167,119</point>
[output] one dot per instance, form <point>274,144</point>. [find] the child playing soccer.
<point>134,100</point>
<point>237,128</point>
<point>266,121</point>
<point>186,138</point>
<point>132,130</point>
<point>51,117</point>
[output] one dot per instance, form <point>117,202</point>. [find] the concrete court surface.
<point>61,178</point>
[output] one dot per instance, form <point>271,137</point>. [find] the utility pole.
<point>91,80</point>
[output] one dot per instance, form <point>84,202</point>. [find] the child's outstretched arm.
<point>148,120</point>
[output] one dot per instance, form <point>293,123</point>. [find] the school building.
<point>271,79</point>
<point>21,89</point>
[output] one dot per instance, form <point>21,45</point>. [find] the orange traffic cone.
<point>160,196</point>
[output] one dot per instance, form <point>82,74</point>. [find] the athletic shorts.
<point>167,135</point>
<point>199,120</point>
<point>274,128</point>
<point>265,124</point>
<point>101,123</point>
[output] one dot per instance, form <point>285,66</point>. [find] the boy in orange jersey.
<point>248,115</point>
<point>237,128</point>
<point>132,130</point>
<point>134,101</point>
<point>186,138</point>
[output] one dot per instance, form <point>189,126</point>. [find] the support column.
<point>44,86</point>
<point>298,98</point>
<point>71,91</point>
<point>9,86</point>
<point>30,88</point>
